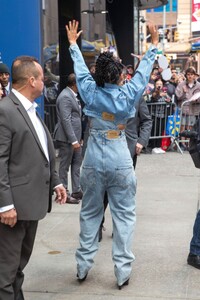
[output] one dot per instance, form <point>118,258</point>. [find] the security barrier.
<point>189,112</point>
<point>50,116</point>
<point>158,111</point>
<point>182,119</point>
<point>162,113</point>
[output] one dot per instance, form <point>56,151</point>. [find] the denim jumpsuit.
<point>107,165</point>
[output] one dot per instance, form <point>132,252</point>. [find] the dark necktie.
<point>78,101</point>
<point>4,92</point>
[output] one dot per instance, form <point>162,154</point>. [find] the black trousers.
<point>16,245</point>
<point>157,130</point>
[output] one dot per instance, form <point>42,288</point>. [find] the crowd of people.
<point>117,127</point>
<point>159,92</point>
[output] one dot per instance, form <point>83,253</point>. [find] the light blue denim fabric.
<point>114,99</point>
<point>107,165</point>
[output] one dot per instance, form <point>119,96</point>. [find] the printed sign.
<point>195,15</point>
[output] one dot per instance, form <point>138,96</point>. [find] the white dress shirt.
<point>30,108</point>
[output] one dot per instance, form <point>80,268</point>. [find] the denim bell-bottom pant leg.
<point>122,210</point>
<point>107,166</point>
<point>92,211</point>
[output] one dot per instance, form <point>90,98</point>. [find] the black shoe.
<point>71,200</point>
<point>78,195</point>
<point>147,150</point>
<point>100,234</point>
<point>82,279</point>
<point>123,284</point>
<point>194,260</point>
<point>183,147</point>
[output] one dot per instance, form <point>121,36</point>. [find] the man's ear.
<point>32,81</point>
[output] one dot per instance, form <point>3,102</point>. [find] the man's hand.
<point>72,33</point>
<point>154,34</point>
<point>9,217</point>
<point>61,194</point>
<point>162,94</point>
<point>76,146</point>
<point>139,57</point>
<point>168,100</point>
<point>138,148</point>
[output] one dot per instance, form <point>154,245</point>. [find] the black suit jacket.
<point>26,176</point>
<point>68,128</point>
<point>138,129</point>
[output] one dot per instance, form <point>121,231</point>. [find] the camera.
<point>164,90</point>
<point>189,134</point>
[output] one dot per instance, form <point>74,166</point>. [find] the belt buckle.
<point>113,134</point>
<point>108,117</point>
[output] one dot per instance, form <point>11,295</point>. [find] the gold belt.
<point>113,134</point>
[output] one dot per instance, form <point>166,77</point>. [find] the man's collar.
<point>75,94</point>
<point>24,101</point>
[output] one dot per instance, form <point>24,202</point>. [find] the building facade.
<point>176,35</point>
<point>109,23</point>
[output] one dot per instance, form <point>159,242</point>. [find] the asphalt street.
<point>167,196</point>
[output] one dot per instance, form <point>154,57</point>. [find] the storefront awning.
<point>91,48</point>
<point>195,47</point>
<point>147,4</point>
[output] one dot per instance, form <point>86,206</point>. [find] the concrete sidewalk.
<point>166,205</point>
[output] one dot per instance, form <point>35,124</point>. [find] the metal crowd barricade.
<point>50,119</point>
<point>159,112</point>
<point>189,112</point>
<point>50,116</point>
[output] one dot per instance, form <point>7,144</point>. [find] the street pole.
<point>141,39</point>
<point>164,27</point>
<point>142,20</point>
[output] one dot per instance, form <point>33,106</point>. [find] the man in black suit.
<point>4,79</point>
<point>27,174</point>
<point>68,133</point>
<point>138,129</point>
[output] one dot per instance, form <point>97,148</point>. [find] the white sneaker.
<point>161,151</point>
<point>155,151</point>
<point>158,151</point>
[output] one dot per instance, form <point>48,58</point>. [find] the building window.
<point>170,7</point>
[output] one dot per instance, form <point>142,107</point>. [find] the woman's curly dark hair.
<point>108,69</point>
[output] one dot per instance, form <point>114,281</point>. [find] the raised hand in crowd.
<point>72,32</point>
<point>154,33</point>
<point>139,57</point>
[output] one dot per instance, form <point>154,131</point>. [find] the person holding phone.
<point>158,111</point>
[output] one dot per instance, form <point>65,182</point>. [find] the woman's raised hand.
<point>72,32</point>
<point>154,33</point>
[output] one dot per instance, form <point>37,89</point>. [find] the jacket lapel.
<point>75,101</point>
<point>25,115</point>
<point>49,138</point>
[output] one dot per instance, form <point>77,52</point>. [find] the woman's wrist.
<point>72,43</point>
